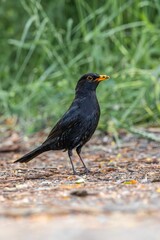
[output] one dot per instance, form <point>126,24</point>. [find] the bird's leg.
<point>78,150</point>
<point>70,157</point>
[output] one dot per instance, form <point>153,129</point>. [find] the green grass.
<point>47,45</point>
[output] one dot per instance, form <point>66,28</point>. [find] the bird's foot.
<point>74,172</point>
<point>87,171</point>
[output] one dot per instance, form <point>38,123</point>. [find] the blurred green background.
<point>47,45</point>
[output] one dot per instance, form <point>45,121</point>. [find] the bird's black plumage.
<point>78,124</point>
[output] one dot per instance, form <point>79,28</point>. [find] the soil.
<point>119,199</point>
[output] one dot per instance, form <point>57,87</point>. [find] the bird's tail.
<point>29,156</point>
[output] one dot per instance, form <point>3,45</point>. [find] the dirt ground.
<point>119,199</point>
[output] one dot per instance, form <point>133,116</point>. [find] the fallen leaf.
<point>132,181</point>
<point>80,180</point>
<point>158,190</point>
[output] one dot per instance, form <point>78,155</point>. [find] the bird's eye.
<point>90,78</point>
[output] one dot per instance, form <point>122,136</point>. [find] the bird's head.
<point>90,81</point>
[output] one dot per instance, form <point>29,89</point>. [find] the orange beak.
<point>102,78</point>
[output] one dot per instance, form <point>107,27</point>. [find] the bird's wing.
<point>67,121</point>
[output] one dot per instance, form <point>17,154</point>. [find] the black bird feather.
<point>77,125</point>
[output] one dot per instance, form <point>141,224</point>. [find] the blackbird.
<point>77,125</point>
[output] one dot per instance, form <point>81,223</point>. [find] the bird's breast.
<point>89,106</point>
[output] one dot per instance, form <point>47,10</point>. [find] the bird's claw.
<point>75,173</point>
<point>87,171</point>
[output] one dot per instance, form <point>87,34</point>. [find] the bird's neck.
<point>84,88</point>
<point>81,93</point>
<point>87,101</point>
